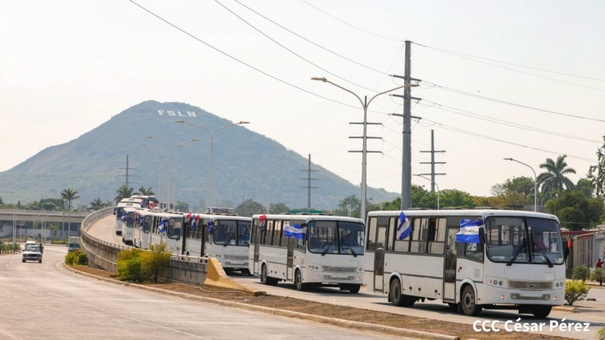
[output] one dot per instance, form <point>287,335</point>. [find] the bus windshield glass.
<point>523,240</point>
<point>332,237</point>
<point>174,228</point>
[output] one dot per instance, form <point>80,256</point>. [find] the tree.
<point>351,205</point>
<point>181,206</point>
<point>554,179</point>
<point>278,208</point>
<point>250,207</point>
<point>123,192</point>
<point>596,173</point>
<point>69,195</point>
<point>575,210</point>
<point>96,204</point>
<point>146,192</point>
<point>585,186</point>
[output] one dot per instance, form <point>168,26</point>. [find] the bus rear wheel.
<point>469,302</point>
<point>398,299</point>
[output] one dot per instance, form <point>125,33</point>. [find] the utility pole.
<point>309,179</point>
<point>406,152</point>
<point>432,162</point>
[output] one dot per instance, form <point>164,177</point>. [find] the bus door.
<point>381,232</point>
<point>290,261</point>
<point>449,267</point>
<point>256,237</point>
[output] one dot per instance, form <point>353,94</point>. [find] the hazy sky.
<point>521,79</point>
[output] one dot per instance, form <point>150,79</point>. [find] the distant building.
<point>587,247</point>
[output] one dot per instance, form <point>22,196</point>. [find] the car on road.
<point>32,252</point>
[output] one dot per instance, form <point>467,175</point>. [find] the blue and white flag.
<point>162,226</point>
<point>210,226</point>
<point>469,231</point>
<point>404,229</point>
<point>296,231</point>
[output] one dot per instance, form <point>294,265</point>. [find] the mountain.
<point>246,164</point>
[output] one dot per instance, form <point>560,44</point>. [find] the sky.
<point>498,79</point>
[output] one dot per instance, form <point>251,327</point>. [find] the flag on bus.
<point>469,231</point>
<point>404,229</point>
<point>210,226</point>
<point>162,226</point>
<point>296,231</point>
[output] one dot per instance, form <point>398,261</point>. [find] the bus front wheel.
<point>469,302</point>
<point>298,284</point>
<point>265,279</point>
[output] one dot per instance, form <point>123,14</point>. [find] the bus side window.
<point>473,251</point>
<point>437,233</point>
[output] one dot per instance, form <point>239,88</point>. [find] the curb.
<point>322,319</point>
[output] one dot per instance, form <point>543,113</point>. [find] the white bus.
<point>469,259</point>
<point>128,219</point>
<point>224,237</point>
<point>308,250</point>
<point>118,211</point>
<point>163,227</point>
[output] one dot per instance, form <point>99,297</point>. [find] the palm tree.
<point>123,192</point>
<point>96,204</point>
<point>554,180</point>
<point>69,195</point>
<point>146,192</point>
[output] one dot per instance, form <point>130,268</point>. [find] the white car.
<point>32,252</point>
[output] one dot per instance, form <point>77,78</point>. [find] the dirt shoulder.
<point>352,315</point>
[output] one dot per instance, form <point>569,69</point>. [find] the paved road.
<point>47,301</point>
<point>592,312</point>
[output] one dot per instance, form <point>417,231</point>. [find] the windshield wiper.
<point>550,265</point>
<point>517,254</point>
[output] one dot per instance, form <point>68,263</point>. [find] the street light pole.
<point>364,103</point>
<point>171,149</point>
<point>211,135</point>
<point>535,181</point>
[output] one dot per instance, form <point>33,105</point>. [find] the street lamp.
<point>535,181</point>
<point>211,135</point>
<point>364,151</point>
<point>438,190</point>
<point>171,148</point>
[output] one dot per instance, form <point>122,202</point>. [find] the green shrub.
<point>575,290</point>
<point>156,261</point>
<point>580,273</point>
<point>598,275</point>
<point>76,258</point>
<point>129,265</point>
<point>601,334</point>
<point>139,266</point>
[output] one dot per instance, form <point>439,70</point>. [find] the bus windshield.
<point>523,240</point>
<point>174,228</point>
<point>333,237</point>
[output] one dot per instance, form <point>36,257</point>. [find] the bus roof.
<point>309,217</point>
<point>464,212</point>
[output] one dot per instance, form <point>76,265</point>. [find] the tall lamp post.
<point>535,181</point>
<point>171,148</point>
<point>211,134</point>
<point>364,151</point>
<point>438,190</point>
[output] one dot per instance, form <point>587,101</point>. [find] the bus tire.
<point>469,302</point>
<point>541,311</point>
<point>354,289</point>
<point>398,299</point>
<point>298,284</point>
<point>265,279</point>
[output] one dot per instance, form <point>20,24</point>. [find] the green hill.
<point>246,164</point>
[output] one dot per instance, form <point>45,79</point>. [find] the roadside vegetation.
<point>136,265</point>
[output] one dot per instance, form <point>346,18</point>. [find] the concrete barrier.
<point>104,254</point>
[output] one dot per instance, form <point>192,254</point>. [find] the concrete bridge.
<point>18,223</point>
